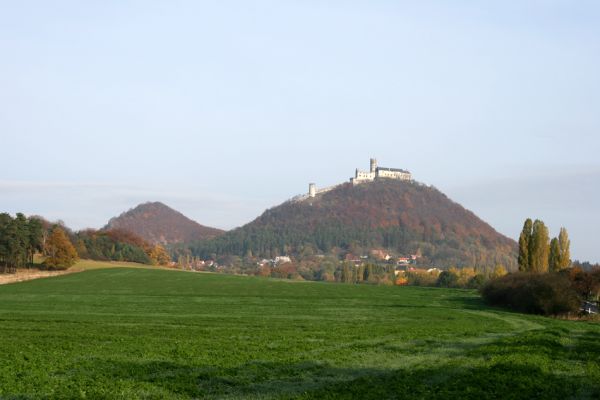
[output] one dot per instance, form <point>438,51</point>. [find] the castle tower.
<point>373,165</point>
<point>312,190</point>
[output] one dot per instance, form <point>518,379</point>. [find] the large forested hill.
<point>403,217</point>
<point>158,223</point>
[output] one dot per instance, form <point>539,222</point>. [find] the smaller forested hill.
<point>158,223</point>
<point>403,217</point>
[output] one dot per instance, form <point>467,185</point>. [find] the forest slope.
<point>403,217</point>
<point>157,223</point>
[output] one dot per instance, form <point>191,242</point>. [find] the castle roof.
<point>393,170</point>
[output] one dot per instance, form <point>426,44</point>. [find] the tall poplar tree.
<point>539,247</point>
<point>565,253</point>
<point>346,275</point>
<point>524,240</point>
<point>554,258</point>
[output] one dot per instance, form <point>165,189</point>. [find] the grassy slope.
<point>92,264</point>
<point>142,333</point>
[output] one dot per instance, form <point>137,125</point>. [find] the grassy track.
<point>142,333</point>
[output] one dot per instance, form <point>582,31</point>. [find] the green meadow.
<point>134,333</point>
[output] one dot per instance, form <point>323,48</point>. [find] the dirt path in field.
<point>28,274</point>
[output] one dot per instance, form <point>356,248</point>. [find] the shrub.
<point>585,283</point>
<point>421,278</point>
<point>547,294</point>
<point>476,282</point>
<point>447,279</point>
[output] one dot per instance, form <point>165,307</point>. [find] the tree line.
<point>119,245</point>
<point>537,253</point>
<point>547,282</point>
<point>20,239</point>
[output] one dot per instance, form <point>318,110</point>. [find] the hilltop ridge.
<point>399,215</point>
<point>156,222</point>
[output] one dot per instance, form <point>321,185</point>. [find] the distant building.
<point>264,262</point>
<point>282,260</point>
<point>403,260</point>
<point>376,172</point>
<point>380,254</point>
<point>353,259</point>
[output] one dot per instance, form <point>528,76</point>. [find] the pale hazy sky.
<point>222,109</point>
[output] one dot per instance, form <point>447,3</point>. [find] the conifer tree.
<point>34,229</point>
<point>20,238</point>
<point>524,243</point>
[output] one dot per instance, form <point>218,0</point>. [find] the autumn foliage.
<point>399,216</point>
<point>158,223</point>
<point>549,293</point>
<point>60,251</point>
<point>119,245</point>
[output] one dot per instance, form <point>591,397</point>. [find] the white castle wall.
<point>375,172</point>
<point>379,172</point>
<point>382,173</point>
<point>309,195</point>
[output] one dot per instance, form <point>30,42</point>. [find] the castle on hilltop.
<point>379,173</point>
<point>360,177</point>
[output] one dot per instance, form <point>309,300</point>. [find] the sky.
<point>222,109</point>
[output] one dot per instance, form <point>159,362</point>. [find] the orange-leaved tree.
<point>159,255</point>
<point>61,253</point>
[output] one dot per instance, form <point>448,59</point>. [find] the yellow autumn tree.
<point>499,271</point>
<point>159,255</point>
<point>61,253</point>
<point>463,275</point>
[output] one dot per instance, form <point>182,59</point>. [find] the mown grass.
<point>144,334</point>
<point>92,264</point>
<point>86,264</point>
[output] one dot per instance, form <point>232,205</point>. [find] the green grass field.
<point>92,264</point>
<point>142,333</point>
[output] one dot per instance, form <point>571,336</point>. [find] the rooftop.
<point>393,169</point>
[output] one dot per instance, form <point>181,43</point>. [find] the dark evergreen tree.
<point>20,238</point>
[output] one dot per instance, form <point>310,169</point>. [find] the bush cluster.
<point>547,294</point>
